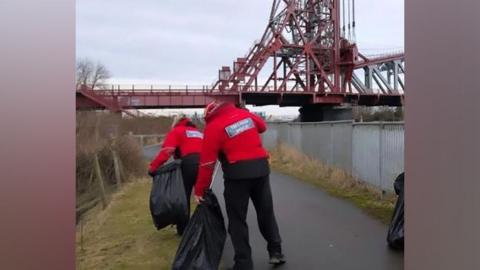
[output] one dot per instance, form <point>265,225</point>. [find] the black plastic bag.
<point>168,204</point>
<point>396,237</point>
<point>202,243</point>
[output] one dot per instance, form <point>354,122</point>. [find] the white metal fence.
<point>373,152</point>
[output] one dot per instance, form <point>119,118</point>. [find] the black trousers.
<point>189,173</point>
<point>237,195</point>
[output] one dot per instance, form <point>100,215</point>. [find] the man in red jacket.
<point>184,141</point>
<point>232,135</point>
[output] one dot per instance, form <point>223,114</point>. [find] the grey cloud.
<point>188,40</point>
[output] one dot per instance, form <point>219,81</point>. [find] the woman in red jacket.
<point>232,135</point>
<point>184,141</point>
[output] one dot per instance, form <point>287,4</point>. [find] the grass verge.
<point>334,181</point>
<point>123,235</point>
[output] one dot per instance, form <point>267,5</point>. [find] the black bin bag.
<point>168,203</point>
<point>202,243</point>
<point>396,237</point>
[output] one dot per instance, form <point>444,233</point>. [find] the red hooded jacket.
<point>184,139</point>
<point>234,134</point>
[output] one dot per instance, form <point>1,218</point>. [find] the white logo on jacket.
<point>193,134</point>
<point>239,127</point>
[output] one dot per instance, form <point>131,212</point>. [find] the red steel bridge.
<point>307,56</point>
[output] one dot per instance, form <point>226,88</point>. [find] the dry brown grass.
<point>152,141</point>
<point>146,125</point>
<point>334,181</point>
<point>123,235</point>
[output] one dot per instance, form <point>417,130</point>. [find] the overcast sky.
<point>186,41</point>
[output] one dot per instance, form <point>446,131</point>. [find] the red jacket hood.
<point>224,108</point>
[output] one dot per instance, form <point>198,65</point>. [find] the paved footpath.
<point>318,231</point>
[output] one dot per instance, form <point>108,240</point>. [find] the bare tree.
<point>84,71</point>
<point>90,74</point>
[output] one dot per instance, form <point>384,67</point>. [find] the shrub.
<point>101,133</point>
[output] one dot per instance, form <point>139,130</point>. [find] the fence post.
<point>81,235</point>
<point>99,178</point>
<point>380,155</point>
<point>116,166</point>
<point>97,168</point>
<point>332,149</point>
<point>352,154</point>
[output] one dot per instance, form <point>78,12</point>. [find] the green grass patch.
<point>334,181</point>
<point>123,235</point>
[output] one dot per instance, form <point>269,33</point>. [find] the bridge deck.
<point>148,99</point>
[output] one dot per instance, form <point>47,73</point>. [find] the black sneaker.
<point>277,259</point>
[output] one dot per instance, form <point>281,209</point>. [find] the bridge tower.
<point>309,47</point>
<point>303,49</point>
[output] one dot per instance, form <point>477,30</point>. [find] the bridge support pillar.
<point>318,113</point>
